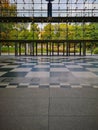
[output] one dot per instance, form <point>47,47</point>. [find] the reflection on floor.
<point>45,72</point>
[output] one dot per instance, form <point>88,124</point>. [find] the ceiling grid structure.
<point>60,8</point>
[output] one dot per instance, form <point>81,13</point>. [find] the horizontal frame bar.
<point>46,41</point>
<point>48,19</point>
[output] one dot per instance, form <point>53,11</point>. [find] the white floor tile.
<point>38,74</point>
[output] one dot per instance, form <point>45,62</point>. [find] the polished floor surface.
<point>48,93</point>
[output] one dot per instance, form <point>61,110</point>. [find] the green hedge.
<point>5,49</point>
<point>12,50</point>
<point>96,50</point>
<point>61,50</point>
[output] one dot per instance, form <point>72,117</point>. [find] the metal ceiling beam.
<point>46,19</point>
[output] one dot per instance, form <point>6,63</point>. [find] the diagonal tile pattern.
<point>49,72</point>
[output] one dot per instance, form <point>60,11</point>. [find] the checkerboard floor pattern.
<point>48,72</point>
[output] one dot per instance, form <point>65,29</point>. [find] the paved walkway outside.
<point>48,93</point>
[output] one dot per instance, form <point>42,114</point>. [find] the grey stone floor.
<point>66,105</point>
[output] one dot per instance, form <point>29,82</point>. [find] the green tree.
<point>47,33</point>
<point>34,32</point>
<point>6,10</point>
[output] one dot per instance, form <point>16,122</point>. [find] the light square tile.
<point>4,84</point>
<point>11,86</point>
<point>84,75</point>
<point>85,84</point>
<point>54,86</point>
<point>1,73</point>
<point>66,84</point>
<point>3,64</point>
<point>23,84</point>
<point>76,86</point>
<point>38,74</point>
<point>74,66</point>
<point>44,84</point>
<point>21,70</point>
<point>10,66</point>
<point>42,66</point>
<point>59,69</point>
<point>95,86</point>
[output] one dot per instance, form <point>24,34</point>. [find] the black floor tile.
<point>65,86</point>
<point>58,74</point>
<point>3,86</point>
<point>25,66</point>
<point>43,86</point>
<point>22,86</point>
<point>14,74</point>
<point>6,69</point>
<point>41,69</point>
<point>14,84</point>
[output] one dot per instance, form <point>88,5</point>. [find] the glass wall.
<point>45,36</point>
<point>49,31</point>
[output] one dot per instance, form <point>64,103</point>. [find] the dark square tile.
<point>57,66</point>
<point>22,86</point>
<point>54,83</point>
<point>15,64</point>
<point>13,83</point>
<point>6,69</point>
<point>57,74</point>
<point>34,83</point>
<point>3,86</point>
<point>41,69</point>
<point>35,80</point>
<point>95,63</point>
<point>70,63</point>
<point>65,86</point>
<point>43,86</point>
<point>95,73</point>
<point>89,66</point>
<point>25,66</point>
<point>87,86</point>
<point>44,63</point>
<point>14,74</point>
